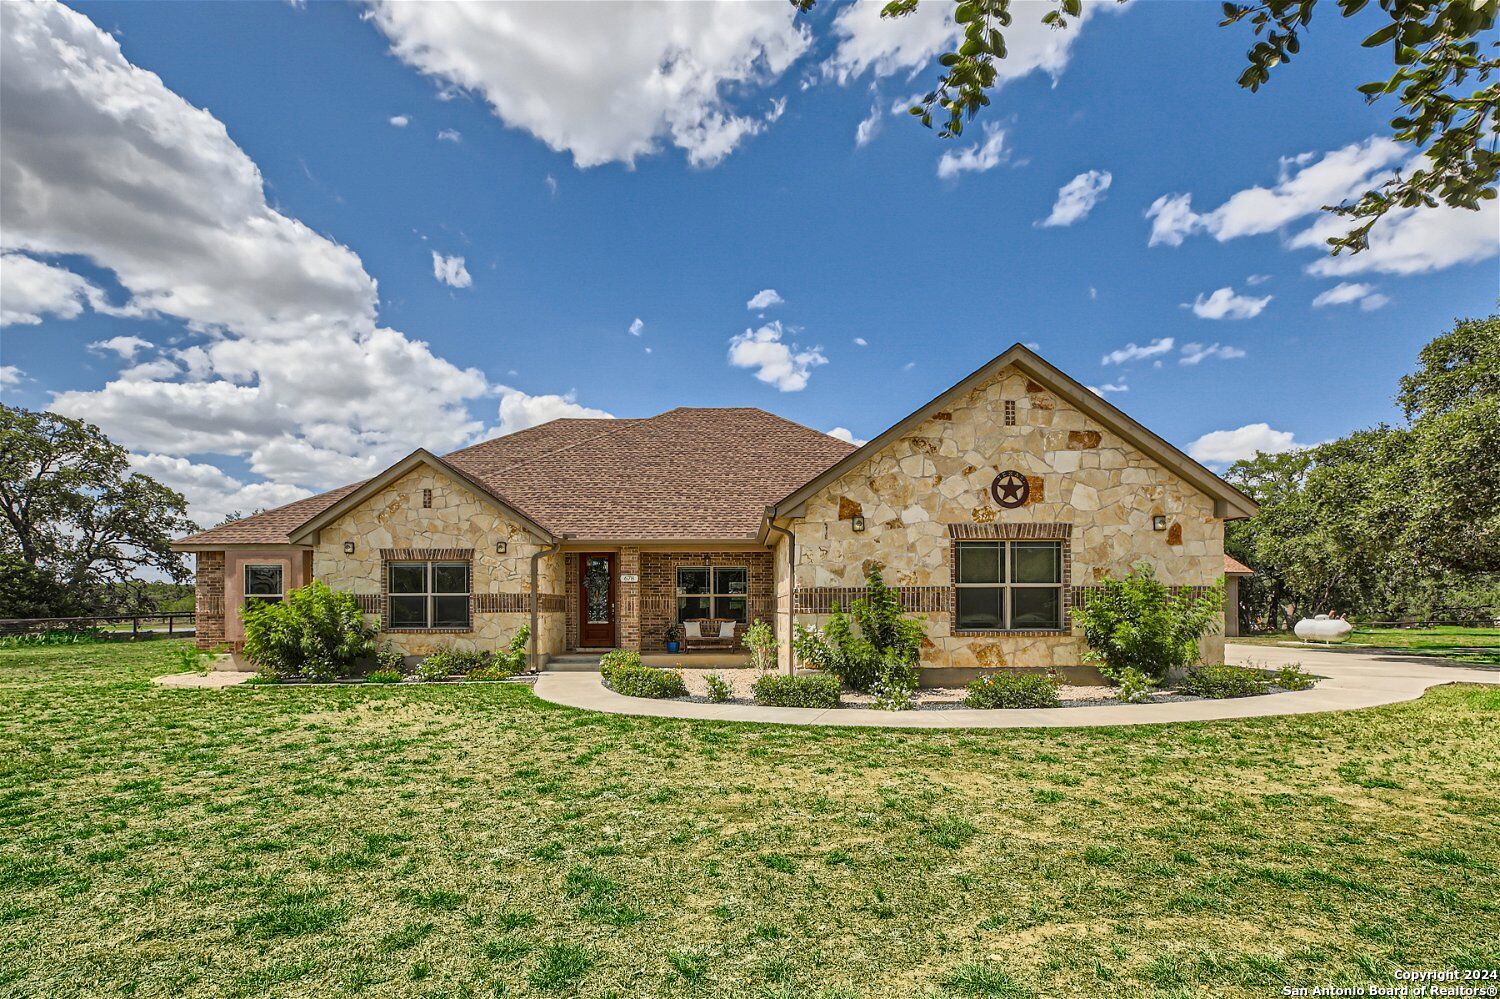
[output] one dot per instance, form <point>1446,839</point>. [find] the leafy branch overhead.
<point>1435,47</point>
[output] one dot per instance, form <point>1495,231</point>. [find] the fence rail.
<point>168,623</point>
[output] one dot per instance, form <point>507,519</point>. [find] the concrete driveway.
<point>1352,679</point>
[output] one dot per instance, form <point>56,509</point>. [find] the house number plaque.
<point>629,577</point>
<point>1010,489</point>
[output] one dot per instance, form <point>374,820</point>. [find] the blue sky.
<point>228,328</point>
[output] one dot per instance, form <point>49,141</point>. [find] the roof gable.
<point>1229,502</point>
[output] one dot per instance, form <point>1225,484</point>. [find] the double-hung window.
<point>720,592</point>
<point>1009,586</point>
<point>428,595</point>
<point>264,584</point>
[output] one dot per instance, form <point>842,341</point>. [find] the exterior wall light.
<point>500,547</point>
<point>859,524</point>
<point>1159,522</point>
<point>348,548</point>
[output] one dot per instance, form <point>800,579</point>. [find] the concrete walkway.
<point>1352,679</point>
<point>212,680</point>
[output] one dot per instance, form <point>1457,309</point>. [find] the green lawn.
<point>470,840</point>
<point>1473,645</point>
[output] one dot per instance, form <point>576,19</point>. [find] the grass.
<point>472,840</point>
<point>1469,645</point>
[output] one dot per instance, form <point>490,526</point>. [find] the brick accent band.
<point>518,603</point>
<point>914,599</point>
<point>1011,532</point>
<point>369,603</point>
<point>426,554</point>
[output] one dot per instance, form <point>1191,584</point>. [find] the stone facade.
<point>935,482</point>
<point>460,525</point>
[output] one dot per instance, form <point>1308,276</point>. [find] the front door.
<point>596,603</point>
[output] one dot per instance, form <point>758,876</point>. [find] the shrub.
<point>898,679</point>
<point>447,662</point>
<point>389,659</point>
<point>615,659</point>
<point>1293,677</point>
<point>512,659</point>
<point>806,691</point>
<point>1139,623</point>
<point>719,689</point>
<point>1220,681</point>
<point>54,636</point>
<point>429,670</point>
<point>1013,690</point>
<point>761,641</point>
<point>858,657</point>
<point>494,670</point>
<point>315,633</point>
<point>186,657</point>
<point>383,676</point>
<point>646,681</point>
<point>1133,686</point>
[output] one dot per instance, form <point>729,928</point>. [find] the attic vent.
<point>426,498</point>
<point>1010,412</point>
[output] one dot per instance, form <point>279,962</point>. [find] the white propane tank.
<point>1323,629</point>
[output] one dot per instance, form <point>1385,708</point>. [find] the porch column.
<point>630,599</point>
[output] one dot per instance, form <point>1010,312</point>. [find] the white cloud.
<point>450,271</point>
<point>860,341</point>
<point>1222,447</point>
<point>400,120</point>
<point>637,325</point>
<point>211,494</point>
<point>551,183</point>
<point>612,85</point>
<point>1077,198</point>
<point>910,45</point>
<point>1172,219</point>
<point>847,436</point>
<point>1343,293</point>
<point>1257,279</point>
<point>1108,387</point>
<point>1226,304</point>
<point>764,299</point>
<point>125,346</point>
<point>1408,241</point>
<point>450,135</point>
<point>1131,352</point>
<point>1193,353</point>
<point>31,289</point>
<point>518,410</point>
<point>977,158</point>
<point>287,368</point>
<point>1374,302</point>
<point>10,376</point>
<point>787,366</point>
<point>868,128</point>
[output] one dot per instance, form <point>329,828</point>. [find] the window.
<point>263,584</point>
<point>428,595</point>
<point>1009,586</point>
<point>716,592</point>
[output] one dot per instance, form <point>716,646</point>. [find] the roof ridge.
<point>621,424</point>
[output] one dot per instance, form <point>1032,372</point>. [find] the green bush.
<point>616,659</point>
<point>450,661</point>
<point>646,681</point>
<point>719,689</point>
<point>1013,690</point>
<point>1220,681</point>
<point>429,670</point>
<point>383,676</point>
<point>858,658</point>
<point>896,683</point>
<point>314,633</point>
<point>55,636</point>
<point>390,659</point>
<point>812,690</point>
<point>1293,677</point>
<point>761,641</point>
<point>512,659</point>
<point>1133,686</point>
<point>1140,623</point>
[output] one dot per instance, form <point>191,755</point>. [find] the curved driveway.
<point>1353,678</point>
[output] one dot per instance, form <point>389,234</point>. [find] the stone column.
<point>628,603</point>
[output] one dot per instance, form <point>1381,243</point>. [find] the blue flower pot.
<point>671,646</point>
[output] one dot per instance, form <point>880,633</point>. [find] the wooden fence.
<point>121,625</point>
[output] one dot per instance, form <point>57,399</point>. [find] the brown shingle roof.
<point>686,474</point>
<point>1233,567</point>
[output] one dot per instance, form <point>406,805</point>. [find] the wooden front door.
<point>596,600</point>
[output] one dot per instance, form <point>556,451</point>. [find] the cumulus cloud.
<point>1222,447</point>
<point>1408,241</point>
<point>1108,388</point>
<point>518,410</point>
<point>775,362</point>
<point>847,436</point>
<point>211,493</point>
<point>450,271</point>
<point>10,376</point>
<point>1077,198</point>
<point>1226,304</point>
<point>287,368</point>
<point>655,74</point>
<point>1131,352</point>
<point>400,120</point>
<point>860,341</point>
<point>980,157</point>
<point>450,135</point>
<point>31,289</point>
<point>1194,353</point>
<point>869,126</point>
<point>637,325</point>
<point>1343,293</point>
<point>125,346</point>
<point>764,299</point>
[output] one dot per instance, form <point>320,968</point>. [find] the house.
<point>995,508</point>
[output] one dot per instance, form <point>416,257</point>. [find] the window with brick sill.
<point>1008,586</point>
<point>427,596</point>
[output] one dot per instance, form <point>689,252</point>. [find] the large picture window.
<point>264,584</point>
<point>428,595</point>
<point>1009,586</point>
<point>721,592</point>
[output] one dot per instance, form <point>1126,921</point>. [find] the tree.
<point>73,518</point>
<point>1434,48</point>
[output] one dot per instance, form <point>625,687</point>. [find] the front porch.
<point>627,596</point>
